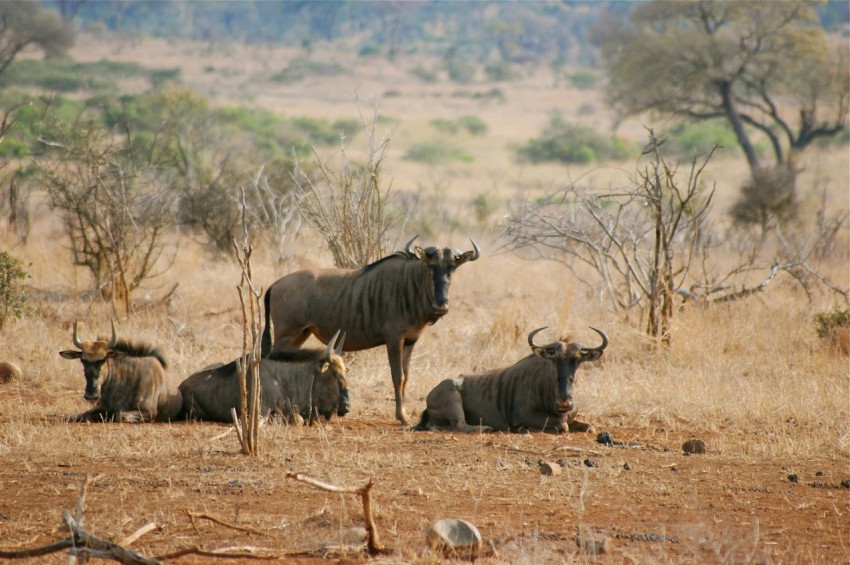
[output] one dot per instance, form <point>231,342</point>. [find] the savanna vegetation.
<point>161,163</point>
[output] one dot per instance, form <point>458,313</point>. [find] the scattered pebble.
<point>454,537</point>
<point>605,439</point>
<point>626,466</point>
<point>845,484</point>
<point>549,468</point>
<point>793,478</point>
<point>591,463</point>
<point>693,447</point>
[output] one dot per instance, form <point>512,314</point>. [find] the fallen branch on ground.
<point>373,544</point>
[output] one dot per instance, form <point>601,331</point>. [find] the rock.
<point>605,439</point>
<point>793,478</point>
<point>693,447</point>
<point>9,372</point>
<point>592,543</point>
<point>454,538</point>
<point>845,484</point>
<point>626,466</point>
<point>591,463</point>
<point>549,468</point>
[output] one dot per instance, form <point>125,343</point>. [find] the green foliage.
<point>13,149</point>
<point>584,79</point>
<point>65,75</point>
<point>471,124</point>
<point>499,71</point>
<point>828,322</point>
<point>423,74</point>
<point>698,138</point>
<point>12,297</point>
<point>437,152</point>
<point>834,328</point>
<point>574,144</point>
<point>300,68</point>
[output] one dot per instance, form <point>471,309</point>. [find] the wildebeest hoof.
<point>576,426</point>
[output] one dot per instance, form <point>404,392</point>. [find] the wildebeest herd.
<point>389,302</point>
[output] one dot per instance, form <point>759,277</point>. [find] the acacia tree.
<point>768,68</point>
<point>30,24</point>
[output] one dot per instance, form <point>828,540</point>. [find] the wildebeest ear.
<point>591,355</point>
<point>541,352</point>
<point>324,368</point>
<point>71,354</point>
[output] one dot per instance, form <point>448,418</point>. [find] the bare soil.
<point>643,495</point>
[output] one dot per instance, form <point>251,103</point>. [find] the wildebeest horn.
<point>476,252</point>
<point>77,341</point>
<point>532,334</point>
<point>114,339</point>
<point>409,247</point>
<point>604,341</point>
<point>338,348</point>
<point>329,349</point>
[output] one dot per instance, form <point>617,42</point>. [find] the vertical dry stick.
<point>250,417</point>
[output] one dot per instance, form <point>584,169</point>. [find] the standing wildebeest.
<point>127,380</point>
<point>305,382</point>
<point>388,302</point>
<point>535,393</point>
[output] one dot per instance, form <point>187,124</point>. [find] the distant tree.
<point>766,67</point>
<point>29,24</point>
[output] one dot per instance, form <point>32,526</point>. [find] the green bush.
<point>573,144</point>
<point>699,138</point>
<point>425,75</point>
<point>834,327</point>
<point>584,79</point>
<point>437,152</point>
<point>12,296</point>
<point>473,124</point>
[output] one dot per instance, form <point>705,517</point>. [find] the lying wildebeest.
<point>536,393</point>
<point>305,382</point>
<point>388,302</point>
<point>127,380</point>
<point>9,372</point>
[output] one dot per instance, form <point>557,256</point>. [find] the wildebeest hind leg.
<point>445,404</point>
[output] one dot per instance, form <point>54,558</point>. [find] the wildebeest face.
<point>94,356</point>
<point>567,357</point>
<point>330,391</point>
<point>442,263</point>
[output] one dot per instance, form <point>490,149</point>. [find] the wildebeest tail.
<point>266,340</point>
<point>422,426</point>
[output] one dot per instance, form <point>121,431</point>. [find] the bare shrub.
<point>348,206</point>
<point>116,208</point>
<point>649,245</point>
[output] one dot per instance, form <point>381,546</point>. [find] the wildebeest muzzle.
<point>344,403</point>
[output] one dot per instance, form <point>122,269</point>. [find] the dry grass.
<point>751,376</point>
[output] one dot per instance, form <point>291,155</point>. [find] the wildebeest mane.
<point>372,266</point>
<point>296,355</point>
<point>138,349</point>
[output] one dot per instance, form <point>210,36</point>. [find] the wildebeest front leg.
<point>394,352</point>
<point>541,421</point>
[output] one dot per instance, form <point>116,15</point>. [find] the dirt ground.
<point>647,500</point>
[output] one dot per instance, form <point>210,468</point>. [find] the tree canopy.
<point>29,24</point>
<point>766,67</point>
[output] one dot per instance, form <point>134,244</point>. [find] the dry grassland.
<point>750,378</point>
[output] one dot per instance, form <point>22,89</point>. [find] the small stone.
<point>819,474</point>
<point>693,446</point>
<point>626,466</point>
<point>605,439</point>
<point>454,538</point>
<point>549,468</point>
<point>845,484</point>
<point>591,463</point>
<point>793,478</point>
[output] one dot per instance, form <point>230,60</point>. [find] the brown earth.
<point>649,501</point>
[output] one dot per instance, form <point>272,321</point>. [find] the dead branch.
<point>83,544</point>
<point>132,538</point>
<point>243,552</point>
<point>374,545</point>
<point>221,522</point>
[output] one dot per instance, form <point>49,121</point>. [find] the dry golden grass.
<point>751,377</point>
